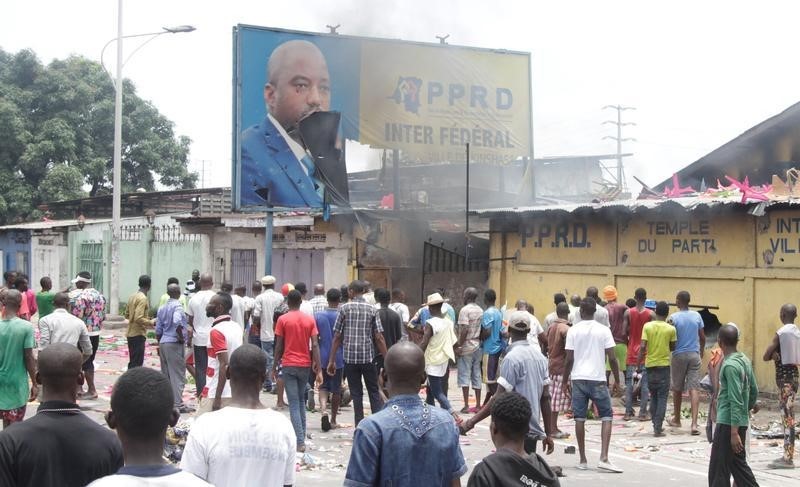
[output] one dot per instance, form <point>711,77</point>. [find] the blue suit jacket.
<point>270,171</point>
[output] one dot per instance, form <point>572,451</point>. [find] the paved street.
<point>678,457</point>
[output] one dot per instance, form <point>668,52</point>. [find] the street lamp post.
<point>116,206</point>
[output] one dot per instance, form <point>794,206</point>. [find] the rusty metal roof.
<point>635,205</point>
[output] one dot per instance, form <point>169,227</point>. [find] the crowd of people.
<point>352,338</point>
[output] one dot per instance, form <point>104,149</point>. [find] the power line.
<point>619,123</point>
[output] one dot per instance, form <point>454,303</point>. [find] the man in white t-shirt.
<point>588,345</point>
<point>253,336</point>
<point>398,305</point>
<point>141,410</point>
<point>536,336</point>
<point>225,337</point>
<point>552,317</point>
<point>237,309</point>
<point>200,326</point>
<point>264,311</point>
<point>306,306</point>
<point>244,444</point>
<point>600,316</point>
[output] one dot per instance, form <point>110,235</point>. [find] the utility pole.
<point>619,123</point>
<point>332,29</point>
<point>443,39</point>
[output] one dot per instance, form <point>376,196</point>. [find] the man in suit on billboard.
<point>276,166</point>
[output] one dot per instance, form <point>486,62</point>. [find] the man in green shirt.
<point>16,358</point>
<point>44,298</point>
<point>658,342</point>
<point>738,393</point>
<point>138,316</point>
<point>165,297</point>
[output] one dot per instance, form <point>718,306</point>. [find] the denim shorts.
<point>685,371</point>
<point>469,369</point>
<point>597,391</point>
<point>332,383</point>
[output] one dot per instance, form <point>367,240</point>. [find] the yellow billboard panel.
<point>430,101</point>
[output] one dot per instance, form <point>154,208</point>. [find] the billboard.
<point>297,96</point>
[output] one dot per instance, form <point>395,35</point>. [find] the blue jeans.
<point>658,383</point>
<point>295,380</point>
<point>629,371</point>
<point>437,391</point>
<point>269,349</point>
<point>597,391</point>
<point>354,373</point>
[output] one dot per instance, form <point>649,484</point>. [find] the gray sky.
<point>699,73</point>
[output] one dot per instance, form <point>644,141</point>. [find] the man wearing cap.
<point>634,320</point>
<point>89,305</point>
<point>523,370</point>
<point>263,311</point>
<point>190,290</point>
<point>616,312</point>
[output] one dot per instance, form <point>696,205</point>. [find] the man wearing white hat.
<point>437,342</point>
<point>89,305</point>
<point>264,310</point>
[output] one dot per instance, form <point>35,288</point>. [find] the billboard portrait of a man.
<point>275,163</point>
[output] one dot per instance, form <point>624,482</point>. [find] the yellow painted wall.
<point>719,258</point>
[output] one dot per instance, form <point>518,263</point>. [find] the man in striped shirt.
<point>358,331</point>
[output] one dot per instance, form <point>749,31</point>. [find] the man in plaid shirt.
<point>358,331</point>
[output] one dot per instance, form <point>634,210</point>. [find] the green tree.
<point>57,136</point>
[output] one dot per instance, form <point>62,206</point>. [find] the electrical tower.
<point>619,123</point>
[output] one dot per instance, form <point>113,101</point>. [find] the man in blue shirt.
<point>494,342</point>
<point>685,364</point>
<point>524,370</point>
<point>331,384</point>
<point>171,334</point>
<point>408,443</point>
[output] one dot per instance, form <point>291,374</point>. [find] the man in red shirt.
<point>634,320</point>
<point>293,332</point>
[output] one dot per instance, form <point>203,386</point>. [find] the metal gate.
<point>243,268</point>
<point>294,265</point>
<point>91,259</point>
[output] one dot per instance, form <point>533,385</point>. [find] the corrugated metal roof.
<point>738,157</point>
<point>633,205</point>
<point>43,225</point>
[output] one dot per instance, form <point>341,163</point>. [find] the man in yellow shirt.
<point>658,342</point>
<point>138,315</point>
